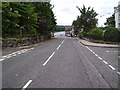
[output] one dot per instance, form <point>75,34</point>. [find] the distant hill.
<point>60,28</point>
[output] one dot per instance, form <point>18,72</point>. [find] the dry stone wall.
<point>13,42</point>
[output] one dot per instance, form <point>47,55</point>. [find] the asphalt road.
<point>61,63</point>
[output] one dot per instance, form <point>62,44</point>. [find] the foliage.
<point>9,20</point>
<point>82,34</point>
<point>96,33</point>
<point>111,21</point>
<point>27,18</point>
<point>112,34</point>
<point>76,26</point>
<point>87,20</point>
<point>46,18</point>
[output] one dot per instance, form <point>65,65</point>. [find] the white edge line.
<point>58,47</point>
<point>118,73</point>
<point>112,67</point>
<point>48,59</point>
<point>105,62</point>
<point>27,84</point>
<point>93,52</point>
<point>96,55</point>
<point>100,58</point>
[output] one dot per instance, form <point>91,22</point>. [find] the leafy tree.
<point>87,20</point>
<point>46,18</point>
<point>111,21</point>
<point>27,18</point>
<point>9,20</point>
<point>76,25</point>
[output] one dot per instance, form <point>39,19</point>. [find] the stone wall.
<point>29,40</point>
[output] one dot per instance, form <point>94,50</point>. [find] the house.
<point>68,30</point>
<point>117,16</point>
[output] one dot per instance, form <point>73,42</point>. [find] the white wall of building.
<point>117,16</point>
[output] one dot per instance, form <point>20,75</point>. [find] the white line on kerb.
<point>112,67</point>
<point>27,84</point>
<point>58,47</point>
<point>48,59</point>
<point>2,59</point>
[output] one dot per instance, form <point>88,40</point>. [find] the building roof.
<point>117,8</point>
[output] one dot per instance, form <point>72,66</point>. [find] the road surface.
<point>61,63</point>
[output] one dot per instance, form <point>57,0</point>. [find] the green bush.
<point>111,34</point>
<point>82,34</point>
<point>96,33</point>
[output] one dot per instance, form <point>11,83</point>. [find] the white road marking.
<point>118,73</point>
<point>107,51</point>
<point>18,52</point>
<point>93,52</point>
<point>16,75</point>
<point>112,51</point>
<point>2,59</point>
<point>118,56</point>
<point>32,48</point>
<point>27,84</point>
<point>96,55</point>
<point>4,56</point>
<point>100,58</point>
<point>105,62</point>
<point>58,47</point>
<point>112,67</point>
<point>14,54</point>
<point>62,42</point>
<point>8,56</point>
<point>48,59</point>
<point>89,48</point>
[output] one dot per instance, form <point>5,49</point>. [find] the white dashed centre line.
<point>27,84</point>
<point>58,47</point>
<point>48,59</point>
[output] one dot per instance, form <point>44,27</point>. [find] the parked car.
<point>68,35</point>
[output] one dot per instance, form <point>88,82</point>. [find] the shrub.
<point>96,33</point>
<point>111,34</point>
<point>82,34</point>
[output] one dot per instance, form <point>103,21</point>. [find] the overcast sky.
<point>66,11</point>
